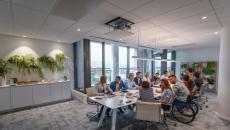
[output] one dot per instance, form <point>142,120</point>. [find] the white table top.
<point>120,99</point>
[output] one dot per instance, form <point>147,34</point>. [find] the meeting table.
<point>118,100</point>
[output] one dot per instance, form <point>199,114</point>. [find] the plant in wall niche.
<point>60,59</point>
<point>26,64</point>
<point>53,64</point>
<point>4,68</point>
<point>48,62</point>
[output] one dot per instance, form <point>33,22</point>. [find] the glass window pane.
<point>169,65</point>
<point>122,62</point>
<point>108,62</point>
<point>133,62</point>
<point>96,61</point>
<point>158,65</point>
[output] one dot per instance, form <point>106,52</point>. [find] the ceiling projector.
<point>120,28</point>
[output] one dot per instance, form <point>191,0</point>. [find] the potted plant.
<point>4,70</point>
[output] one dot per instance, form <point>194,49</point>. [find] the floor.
<point>71,115</point>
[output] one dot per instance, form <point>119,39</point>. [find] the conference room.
<point>114,64</point>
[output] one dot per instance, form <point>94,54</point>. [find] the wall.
<point>10,45</point>
<point>196,54</point>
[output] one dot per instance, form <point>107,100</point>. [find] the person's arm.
<point>112,86</point>
<point>128,84</point>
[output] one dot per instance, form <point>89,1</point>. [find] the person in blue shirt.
<point>118,84</point>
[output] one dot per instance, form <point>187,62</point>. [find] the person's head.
<point>165,72</point>
<point>117,79</point>
<point>197,75</point>
<point>103,79</point>
<point>145,84</point>
<point>165,84</point>
<point>172,79</point>
<point>186,78</point>
<point>147,74</point>
<point>131,76</point>
<point>139,74</point>
<point>157,74</point>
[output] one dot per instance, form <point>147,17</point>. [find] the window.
<point>133,62</point>
<point>158,65</point>
<point>122,62</point>
<point>96,61</point>
<point>169,64</point>
<point>108,63</point>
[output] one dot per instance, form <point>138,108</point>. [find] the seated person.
<point>102,87</point>
<point>118,84</point>
<point>130,82</point>
<point>146,92</point>
<point>180,91</point>
<point>198,80</point>
<point>156,79</point>
<point>167,95</point>
<point>188,83</point>
<point>165,75</point>
<point>138,78</point>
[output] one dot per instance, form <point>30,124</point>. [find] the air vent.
<point>120,28</point>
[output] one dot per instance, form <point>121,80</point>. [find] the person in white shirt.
<point>147,78</point>
<point>102,87</point>
<point>130,82</point>
<point>165,75</point>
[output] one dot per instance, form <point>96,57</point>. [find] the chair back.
<point>90,91</point>
<point>148,111</point>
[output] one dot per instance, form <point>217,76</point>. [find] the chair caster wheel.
<point>206,106</point>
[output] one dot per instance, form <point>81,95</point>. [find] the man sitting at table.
<point>179,89</point>
<point>146,92</point>
<point>118,84</point>
<point>138,78</point>
<point>130,82</point>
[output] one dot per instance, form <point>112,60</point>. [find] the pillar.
<point>224,75</point>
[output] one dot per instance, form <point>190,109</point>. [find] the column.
<point>224,75</point>
<point>164,63</point>
<point>173,64</point>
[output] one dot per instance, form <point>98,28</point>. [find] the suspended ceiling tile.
<point>183,13</point>
<point>220,3</point>
<point>104,13</point>
<point>129,4</point>
<point>42,5</point>
<point>28,18</point>
<point>56,24</point>
<point>159,7</point>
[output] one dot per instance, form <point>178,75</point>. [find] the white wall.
<point>196,54</point>
<point>10,45</point>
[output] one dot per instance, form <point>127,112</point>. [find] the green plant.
<point>4,68</point>
<point>53,64</point>
<point>184,66</point>
<point>25,64</point>
<point>48,62</point>
<point>196,64</point>
<point>60,59</point>
<point>208,71</point>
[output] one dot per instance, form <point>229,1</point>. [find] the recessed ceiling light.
<point>204,17</point>
<point>121,39</point>
<point>78,29</point>
<point>24,35</point>
<point>216,33</point>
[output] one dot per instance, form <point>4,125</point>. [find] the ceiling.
<point>160,23</point>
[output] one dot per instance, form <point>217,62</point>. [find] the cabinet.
<point>66,90</point>
<point>5,98</point>
<point>55,92</point>
<point>41,94</point>
<point>21,96</point>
